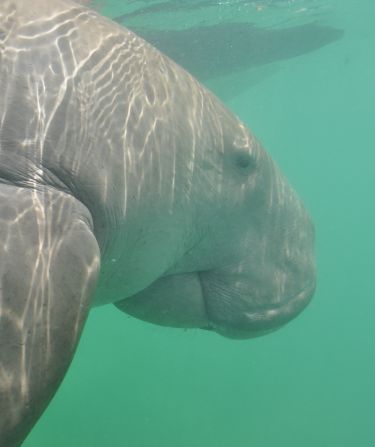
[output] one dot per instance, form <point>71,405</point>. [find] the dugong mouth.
<point>190,300</point>
<point>257,320</point>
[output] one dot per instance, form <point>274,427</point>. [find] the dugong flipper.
<point>49,265</point>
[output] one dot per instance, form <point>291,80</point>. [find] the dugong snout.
<point>245,319</point>
<point>268,287</point>
<point>248,287</point>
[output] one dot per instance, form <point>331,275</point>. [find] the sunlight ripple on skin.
<point>125,181</point>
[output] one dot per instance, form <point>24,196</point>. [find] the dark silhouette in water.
<point>153,7</point>
<point>213,51</point>
<point>166,7</point>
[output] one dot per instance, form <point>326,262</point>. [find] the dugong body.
<point>122,180</point>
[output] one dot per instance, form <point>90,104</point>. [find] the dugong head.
<point>248,265</point>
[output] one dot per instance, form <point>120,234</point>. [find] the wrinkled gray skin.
<point>123,180</point>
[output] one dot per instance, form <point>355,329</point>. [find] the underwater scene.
<point>300,74</point>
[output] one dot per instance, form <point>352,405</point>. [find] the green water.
<point>313,382</point>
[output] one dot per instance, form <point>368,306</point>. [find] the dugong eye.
<point>244,162</point>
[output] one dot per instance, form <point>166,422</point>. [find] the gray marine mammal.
<point>122,180</point>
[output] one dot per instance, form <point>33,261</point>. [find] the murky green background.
<point>313,382</point>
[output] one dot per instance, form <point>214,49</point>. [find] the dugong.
<point>123,180</point>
